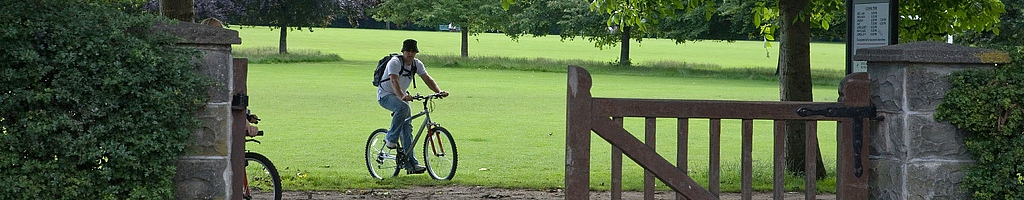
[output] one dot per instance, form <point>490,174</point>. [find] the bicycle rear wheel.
<point>440,154</point>
<point>379,159</point>
<point>261,178</point>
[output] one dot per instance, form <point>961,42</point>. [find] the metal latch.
<point>239,101</point>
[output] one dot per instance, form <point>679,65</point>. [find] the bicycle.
<point>261,178</point>
<point>439,152</point>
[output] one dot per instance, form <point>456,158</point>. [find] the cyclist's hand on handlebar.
<point>442,94</point>
<point>251,130</point>
<point>406,97</point>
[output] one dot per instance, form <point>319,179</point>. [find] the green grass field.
<point>317,116</point>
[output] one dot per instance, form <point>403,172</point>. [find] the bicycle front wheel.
<point>440,154</point>
<point>261,178</point>
<point>379,159</point>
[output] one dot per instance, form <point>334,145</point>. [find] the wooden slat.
<point>779,175</point>
<point>705,109</point>
<point>747,190</point>
<point>810,172</point>
<point>714,159</point>
<point>649,159</point>
<point>650,137</point>
<point>682,143</point>
<point>617,167</point>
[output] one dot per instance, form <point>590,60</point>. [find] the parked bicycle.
<point>439,153</point>
<point>261,178</point>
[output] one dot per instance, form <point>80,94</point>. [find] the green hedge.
<point>92,104</point>
<point>990,106</point>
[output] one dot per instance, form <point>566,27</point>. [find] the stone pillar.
<point>204,172</point>
<point>913,156</point>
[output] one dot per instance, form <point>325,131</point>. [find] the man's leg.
<point>410,154</point>
<point>400,111</point>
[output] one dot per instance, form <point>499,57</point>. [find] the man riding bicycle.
<point>392,94</point>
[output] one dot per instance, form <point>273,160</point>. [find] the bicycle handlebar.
<point>431,96</point>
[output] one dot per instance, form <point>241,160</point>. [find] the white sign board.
<point>870,29</point>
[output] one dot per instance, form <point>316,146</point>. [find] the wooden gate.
<point>604,116</point>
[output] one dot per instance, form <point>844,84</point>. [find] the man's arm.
<point>430,83</point>
<point>398,89</point>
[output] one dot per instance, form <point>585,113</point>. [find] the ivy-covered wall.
<point>989,105</point>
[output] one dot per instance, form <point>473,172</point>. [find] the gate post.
<point>205,171</point>
<point>852,182</point>
<point>577,134</point>
<point>912,155</point>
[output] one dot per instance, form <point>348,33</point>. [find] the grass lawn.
<point>509,125</point>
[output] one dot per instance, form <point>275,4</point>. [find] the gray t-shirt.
<point>394,67</point>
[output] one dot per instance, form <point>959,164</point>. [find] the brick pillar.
<point>204,172</point>
<point>913,156</point>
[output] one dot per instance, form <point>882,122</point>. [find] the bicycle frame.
<point>426,121</point>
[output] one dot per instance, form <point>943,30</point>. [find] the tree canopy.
<point>470,16</point>
<point>286,15</point>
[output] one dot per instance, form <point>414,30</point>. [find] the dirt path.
<point>467,192</point>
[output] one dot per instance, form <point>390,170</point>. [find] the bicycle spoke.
<point>380,161</point>
<point>440,154</point>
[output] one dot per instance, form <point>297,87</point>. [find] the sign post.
<point>872,23</point>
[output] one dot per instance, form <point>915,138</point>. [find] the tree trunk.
<point>180,10</point>
<point>282,46</point>
<point>465,42</point>
<point>624,52</point>
<point>795,78</point>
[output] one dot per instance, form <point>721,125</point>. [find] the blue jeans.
<point>399,127</point>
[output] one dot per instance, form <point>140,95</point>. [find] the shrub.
<point>270,55</point>
<point>990,106</point>
<point>93,105</point>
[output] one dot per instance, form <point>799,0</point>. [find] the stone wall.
<point>205,171</point>
<point>912,155</point>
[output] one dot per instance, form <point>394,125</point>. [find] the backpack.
<point>383,64</point>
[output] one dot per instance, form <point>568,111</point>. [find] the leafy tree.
<point>471,16</point>
<point>728,21</point>
<point>934,20</point>
<point>125,5</point>
<point>181,10</point>
<point>627,15</point>
<point>354,10</point>
<point>1010,30</point>
<point>286,15</point>
<point>202,9</point>
<point>576,18</point>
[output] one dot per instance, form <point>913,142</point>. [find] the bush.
<point>270,55</point>
<point>92,104</point>
<point>990,106</point>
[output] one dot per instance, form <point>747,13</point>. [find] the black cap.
<point>410,45</point>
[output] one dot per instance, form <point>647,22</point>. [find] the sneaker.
<point>390,145</point>
<point>418,169</point>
